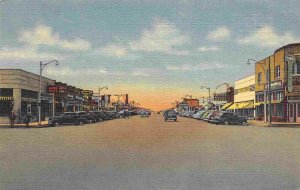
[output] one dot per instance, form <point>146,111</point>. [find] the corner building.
<point>19,92</point>
<point>285,103</point>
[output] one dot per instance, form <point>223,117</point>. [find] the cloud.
<point>219,34</point>
<point>197,67</point>
<point>162,37</point>
<point>208,48</point>
<point>43,35</point>
<point>79,72</point>
<point>140,73</point>
<point>114,50</point>
<point>26,54</point>
<point>267,37</point>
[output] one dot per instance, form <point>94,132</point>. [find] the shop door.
<point>298,112</point>
<point>292,113</point>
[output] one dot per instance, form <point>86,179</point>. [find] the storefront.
<point>19,92</point>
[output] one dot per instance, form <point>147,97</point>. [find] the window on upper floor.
<point>277,72</point>
<point>297,68</point>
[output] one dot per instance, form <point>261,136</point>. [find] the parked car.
<point>170,115</point>
<point>206,118</point>
<point>203,116</point>
<point>124,114</point>
<point>229,118</point>
<point>212,116</point>
<point>67,118</point>
<point>89,117</point>
<point>199,114</point>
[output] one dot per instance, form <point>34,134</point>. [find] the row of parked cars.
<point>82,117</point>
<point>216,117</point>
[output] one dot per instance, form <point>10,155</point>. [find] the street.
<point>149,153</point>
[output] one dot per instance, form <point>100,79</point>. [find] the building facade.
<point>19,92</point>
<point>223,100</point>
<point>244,97</point>
<point>285,85</point>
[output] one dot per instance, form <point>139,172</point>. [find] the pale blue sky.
<point>180,44</point>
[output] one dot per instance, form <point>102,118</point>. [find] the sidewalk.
<point>31,125</point>
<point>273,124</point>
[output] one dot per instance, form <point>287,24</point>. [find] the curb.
<point>23,127</point>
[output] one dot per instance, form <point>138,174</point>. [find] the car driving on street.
<point>170,115</point>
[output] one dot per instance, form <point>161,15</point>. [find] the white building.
<point>244,97</point>
<point>19,92</point>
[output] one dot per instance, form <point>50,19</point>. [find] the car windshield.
<point>171,113</point>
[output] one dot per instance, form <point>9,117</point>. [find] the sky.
<point>157,51</point>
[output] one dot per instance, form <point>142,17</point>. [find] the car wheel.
<point>243,123</point>
<point>226,123</point>
<point>90,121</point>
<point>56,124</point>
<point>80,123</point>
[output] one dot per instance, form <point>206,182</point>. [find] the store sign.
<point>87,92</point>
<point>290,61</point>
<point>56,89</point>
<point>274,85</point>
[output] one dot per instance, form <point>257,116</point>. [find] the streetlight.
<point>99,89</point>
<point>42,66</point>
<point>265,90</point>
<point>202,99</point>
<point>208,88</point>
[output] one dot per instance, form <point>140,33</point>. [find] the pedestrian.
<point>12,118</point>
<point>27,119</point>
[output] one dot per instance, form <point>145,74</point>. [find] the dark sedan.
<point>226,118</point>
<point>170,115</point>
<point>67,118</point>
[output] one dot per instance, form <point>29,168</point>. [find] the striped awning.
<point>226,106</point>
<point>6,98</point>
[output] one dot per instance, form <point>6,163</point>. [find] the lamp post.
<point>267,78</point>
<point>208,88</point>
<point>99,90</point>
<point>42,66</point>
<point>202,99</point>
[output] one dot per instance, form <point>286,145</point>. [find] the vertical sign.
<point>290,61</point>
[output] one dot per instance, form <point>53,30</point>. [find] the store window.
<point>7,92</point>
<point>279,110</point>
<point>29,94</point>
<point>291,110</point>
<point>277,72</point>
<point>298,114</point>
<point>4,108</point>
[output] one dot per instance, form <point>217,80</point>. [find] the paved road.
<point>148,153</point>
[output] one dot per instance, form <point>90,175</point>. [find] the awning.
<point>273,102</point>
<point>241,105</point>
<point>233,106</point>
<point>249,106</point>
<point>258,104</point>
<point>226,105</point>
<point>6,98</point>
